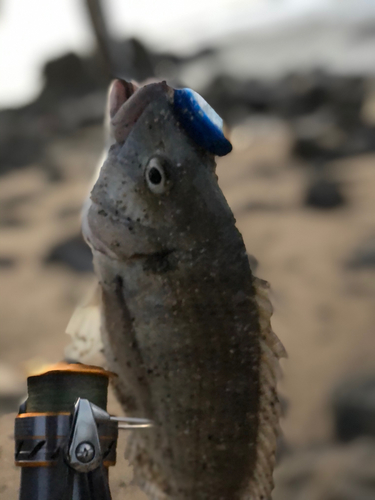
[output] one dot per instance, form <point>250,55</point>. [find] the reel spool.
<point>64,438</point>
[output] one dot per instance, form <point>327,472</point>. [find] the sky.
<point>33,31</point>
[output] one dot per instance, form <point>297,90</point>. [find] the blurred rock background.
<point>301,182</point>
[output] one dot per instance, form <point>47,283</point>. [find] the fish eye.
<point>155,175</point>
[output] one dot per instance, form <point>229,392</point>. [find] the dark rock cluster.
<point>73,253</point>
<point>323,110</point>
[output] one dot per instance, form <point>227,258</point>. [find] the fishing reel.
<point>64,438</point>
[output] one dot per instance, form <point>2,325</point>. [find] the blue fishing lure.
<point>201,122</point>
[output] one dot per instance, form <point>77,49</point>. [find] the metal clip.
<point>132,423</point>
<point>84,453</point>
<point>129,422</point>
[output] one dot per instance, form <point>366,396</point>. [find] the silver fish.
<point>185,325</point>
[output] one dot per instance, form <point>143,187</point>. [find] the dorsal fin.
<point>272,350</point>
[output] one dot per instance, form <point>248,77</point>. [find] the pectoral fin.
<point>84,328</point>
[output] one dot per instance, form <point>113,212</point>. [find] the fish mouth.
<point>154,257</point>
<point>127,102</point>
<point>156,262</point>
<point>159,261</point>
<point>120,91</point>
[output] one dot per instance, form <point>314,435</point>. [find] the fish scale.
<point>185,325</point>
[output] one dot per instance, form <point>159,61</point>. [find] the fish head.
<point>157,190</point>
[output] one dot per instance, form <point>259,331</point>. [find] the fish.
<point>184,323</point>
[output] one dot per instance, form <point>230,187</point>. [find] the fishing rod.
<point>65,440</point>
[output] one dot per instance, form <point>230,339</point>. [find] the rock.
<point>9,220</point>
<point>317,137</point>
<point>310,150</point>
<point>19,151</point>
<point>354,409</point>
<point>74,253</point>
<point>360,139</point>
<point>324,193</point>
<point>79,112</point>
<point>9,214</point>
<point>69,211</point>
<point>346,96</point>
<point>263,206</point>
<point>300,94</point>
<point>223,95</point>
<point>68,76</point>
<point>7,262</point>
<point>332,472</point>
<point>235,99</point>
<point>134,59</point>
<point>364,255</point>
